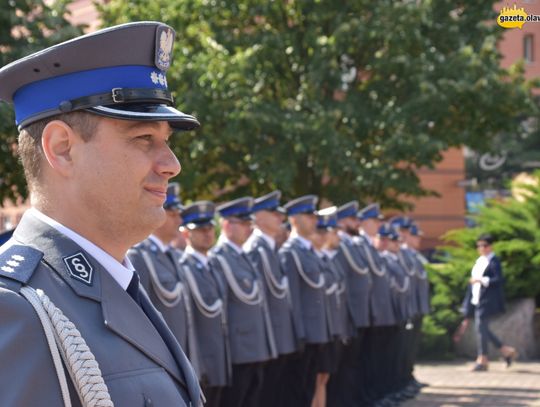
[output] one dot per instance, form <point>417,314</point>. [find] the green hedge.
<point>514,223</point>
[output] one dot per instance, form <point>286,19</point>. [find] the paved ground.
<point>453,385</point>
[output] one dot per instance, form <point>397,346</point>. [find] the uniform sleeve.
<point>27,373</point>
<point>289,269</point>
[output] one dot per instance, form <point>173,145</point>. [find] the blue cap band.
<point>197,217</point>
<point>305,208</point>
<point>372,213</point>
<point>235,211</point>
<point>46,95</point>
<point>266,205</point>
<point>347,212</point>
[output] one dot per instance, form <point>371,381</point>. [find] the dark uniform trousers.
<point>140,360</point>
<point>309,312</point>
<point>249,334</point>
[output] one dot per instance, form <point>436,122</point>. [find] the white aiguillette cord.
<point>65,342</point>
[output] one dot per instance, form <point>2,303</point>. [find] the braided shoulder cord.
<point>252,298</point>
<point>410,269</point>
<point>278,289</point>
<point>380,272</point>
<point>168,298</point>
<point>315,285</point>
<point>209,311</point>
<point>350,260</point>
<point>78,358</point>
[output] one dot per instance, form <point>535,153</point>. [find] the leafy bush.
<point>514,223</point>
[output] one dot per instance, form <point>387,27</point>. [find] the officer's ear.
<point>57,141</point>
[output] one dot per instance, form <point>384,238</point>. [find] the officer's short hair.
<point>29,148</point>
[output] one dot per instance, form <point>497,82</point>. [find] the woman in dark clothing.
<point>485,299</point>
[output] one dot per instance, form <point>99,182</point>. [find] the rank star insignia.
<point>12,263</point>
<point>161,79</point>
<point>154,77</point>
<point>7,269</point>
<point>17,257</point>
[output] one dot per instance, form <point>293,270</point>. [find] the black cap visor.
<point>148,112</point>
<point>200,224</point>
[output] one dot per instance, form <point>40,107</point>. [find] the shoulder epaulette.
<point>19,262</point>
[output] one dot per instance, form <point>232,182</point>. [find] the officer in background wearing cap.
<point>207,294</point>
<point>158,266</point>
<point>382,318</point>
<point>262,249</point>
<point>93,144</point>
<point>388,242</point>
<point>250,328</point>
<point>308,292</point>
<point>347,386</point>
<point>414,262</point>
<point>326,242</point>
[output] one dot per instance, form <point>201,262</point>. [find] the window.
<point>528,48</point>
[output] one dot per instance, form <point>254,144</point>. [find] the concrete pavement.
<point>454,385</point>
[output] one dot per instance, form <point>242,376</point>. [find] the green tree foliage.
<point>342,99</point>
<point>515,225</point>
<point>26,26</point>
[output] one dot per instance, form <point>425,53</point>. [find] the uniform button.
<point>148,402</point>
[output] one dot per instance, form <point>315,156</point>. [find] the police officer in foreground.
<point>250,328</point>
<point>308,293</point>
<point>158,266</point>
<point>262,250</point>
<point>207,294</point>
<point>93,144</point>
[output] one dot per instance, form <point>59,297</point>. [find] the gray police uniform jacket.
<point>406,261</point>
<point>422,282</point>
<point>276,284</point>
<point>401,288</point>
<point>210,319</point>
<point>139,358</point>
<point>308,291</point>
<point>381,310</point>
<point>161,276</point>
<point>250,328</point>
<point>336,303</point>
<point>359,284</point>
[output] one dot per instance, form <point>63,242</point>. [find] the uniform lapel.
<point>121,314</point>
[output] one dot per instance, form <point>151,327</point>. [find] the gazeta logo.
<point>515,17</point>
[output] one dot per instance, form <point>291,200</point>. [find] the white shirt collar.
<point>198,255</point>
<point>267,238</point>
<point>489,256</point>
<point>305,242</point>
<point>159,243</point>
<point>225,239</point>
<point>120,272</point>
<point>331,253</point>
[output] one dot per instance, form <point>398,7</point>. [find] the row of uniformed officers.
<point>328,313</point>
